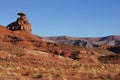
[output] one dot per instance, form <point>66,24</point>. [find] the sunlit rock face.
<point>21,23</point>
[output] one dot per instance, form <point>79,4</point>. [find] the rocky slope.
<point>24,56</point>
<point>87,42</point>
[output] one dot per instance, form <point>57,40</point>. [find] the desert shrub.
<point>75,55</point>
<point>57,75</point>
<point>38,76</point>
<point>65,53</point>
<point>27,73</point>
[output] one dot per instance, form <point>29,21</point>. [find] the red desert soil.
<point>24,56</point>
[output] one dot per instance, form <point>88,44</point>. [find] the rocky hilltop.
<point>20,24</point>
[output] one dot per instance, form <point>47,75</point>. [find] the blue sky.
<point>79,18</point>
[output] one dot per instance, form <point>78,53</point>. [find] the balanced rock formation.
<point>20,24</point>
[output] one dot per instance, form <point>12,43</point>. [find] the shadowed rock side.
<point>20,24</point>
<point>115,49</point>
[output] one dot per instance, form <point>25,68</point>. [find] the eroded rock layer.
<point>21,23</point>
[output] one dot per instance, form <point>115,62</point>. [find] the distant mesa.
<point>21,24</point>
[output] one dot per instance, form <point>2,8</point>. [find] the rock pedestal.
<point>20,24</point>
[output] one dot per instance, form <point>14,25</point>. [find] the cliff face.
<point>20,24</point>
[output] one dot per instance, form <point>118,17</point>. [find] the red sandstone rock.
<point>20,24</point>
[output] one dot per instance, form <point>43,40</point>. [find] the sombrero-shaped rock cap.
<point>21,14</point>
